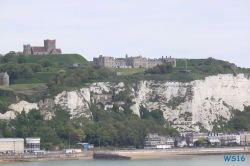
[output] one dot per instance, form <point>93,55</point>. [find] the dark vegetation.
<point>160,69</point>
<point>112,128</point>
<point>123,128</point>
<point>240,121</point>
<point>56,132</point>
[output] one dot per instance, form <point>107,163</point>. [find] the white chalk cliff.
<point>183,104</point>
<point>202,101</point>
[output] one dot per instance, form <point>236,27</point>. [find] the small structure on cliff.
<point>4,79</point>
<point>103,100</point>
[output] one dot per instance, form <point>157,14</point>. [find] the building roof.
<point>11,139</point>
<point>35,138</point>
<point>2,73</point>
<point>39,49</point>
<point>59,50</point>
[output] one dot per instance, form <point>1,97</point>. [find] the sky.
<point>192,29</point>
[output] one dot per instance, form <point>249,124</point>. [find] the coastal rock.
<point>186,105</point>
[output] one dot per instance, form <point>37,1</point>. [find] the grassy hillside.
<point>67,59</point>
<point>200,68</point>
<point>127,71</point>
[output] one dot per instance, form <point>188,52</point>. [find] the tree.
<point>201,142</point>
<point>240,122</point>
<point>22,58</point>
<point>45,62</point>
<point>48,137</point>
<point>80,134</point>
<point>8,132</point>
<point>10,57</point>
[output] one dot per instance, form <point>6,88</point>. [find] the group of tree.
<point>240,121</point>
<point>75,77</point>
<point>114,127</point>
<point>55,132</point>
<point>120,128</point>
<point>14,57</point>
<point>160,69</point>
<point>20,70</point>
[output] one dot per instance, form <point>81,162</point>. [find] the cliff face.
<point>185,105</point>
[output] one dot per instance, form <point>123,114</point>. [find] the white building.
<point>32,144</point>
<point>12,145</point>
<point>153,141</point>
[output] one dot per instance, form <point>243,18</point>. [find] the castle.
<point>133,62</point>
<point>4,79</point>
<point>48,48</point>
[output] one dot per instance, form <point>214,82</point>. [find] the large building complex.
<point>132,62</point>
<point>48,48</point>
<point>4,79</point>
<point>12,145</point>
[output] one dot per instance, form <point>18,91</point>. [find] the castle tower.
<point>50,45</point>
<point>27,49</point>
<point>4,79</point>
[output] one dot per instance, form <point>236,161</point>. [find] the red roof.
<point>39,49</point>
<point>58,50</point>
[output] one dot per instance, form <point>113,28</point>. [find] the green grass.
<point>67,59</point>
<point>7,97</point>
<point>127,71</point>
<point>42,76</point>
<point>39,86</point>
<point>27,81</point>
<point>39,77</point>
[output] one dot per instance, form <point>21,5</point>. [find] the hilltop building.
<point>4,79</point>
<point>48,48</point>
<point>132,62</point>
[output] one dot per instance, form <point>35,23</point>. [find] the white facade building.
<point>32,144</point>
<point>12,145</point>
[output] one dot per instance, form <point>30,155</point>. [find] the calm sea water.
<point>180,161</point>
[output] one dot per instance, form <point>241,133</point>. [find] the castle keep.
<point>4,79</point>
<point>132,62</point>
<point>48,48</point>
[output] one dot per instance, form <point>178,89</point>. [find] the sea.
<point>218,160</point>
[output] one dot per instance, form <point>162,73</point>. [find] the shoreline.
<point>133,154</point>
<point>176,153</point>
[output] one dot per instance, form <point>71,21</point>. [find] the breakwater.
<point>47,157</point>
<point>109,156</point>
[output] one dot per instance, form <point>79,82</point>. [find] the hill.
<point>58,61</point>
<point>67,59</point>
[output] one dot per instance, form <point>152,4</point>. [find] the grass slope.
<point>127,71</point>
<point>67,59</point>
<point>200,68</point>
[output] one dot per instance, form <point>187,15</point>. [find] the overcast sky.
<point>151,28</point>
